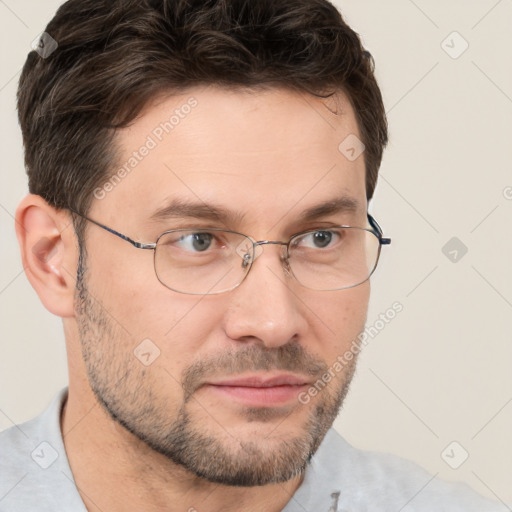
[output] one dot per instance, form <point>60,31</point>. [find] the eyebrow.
<point>343,204</point>
<point>180,208</point>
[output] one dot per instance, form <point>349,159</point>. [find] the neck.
<point>116,471</point>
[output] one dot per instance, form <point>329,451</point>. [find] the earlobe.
<point>48,252</point>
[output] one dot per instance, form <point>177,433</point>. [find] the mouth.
<point>260,390</point>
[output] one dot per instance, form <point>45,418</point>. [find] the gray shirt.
<point>35,476</point>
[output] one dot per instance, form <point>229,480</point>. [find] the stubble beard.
<point>128,391</point>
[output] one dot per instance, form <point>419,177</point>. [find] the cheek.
<point>128,289</point>
<point>340,318</point>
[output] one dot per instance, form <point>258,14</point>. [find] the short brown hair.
<point>114,56</point>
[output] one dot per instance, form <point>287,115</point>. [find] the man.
<point>200,174</point>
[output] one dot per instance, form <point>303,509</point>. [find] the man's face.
<point>221,398</point>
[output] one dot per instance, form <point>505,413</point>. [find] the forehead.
<point>266,153</point>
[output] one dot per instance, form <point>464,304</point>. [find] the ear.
<point>49,252</point>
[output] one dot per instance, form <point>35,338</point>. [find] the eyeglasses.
<point>211,261</point>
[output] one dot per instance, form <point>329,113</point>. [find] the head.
<point>233,113</point>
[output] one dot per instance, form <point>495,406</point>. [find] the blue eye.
<point>198,242</point>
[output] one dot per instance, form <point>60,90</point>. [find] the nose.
<point>266,307</point>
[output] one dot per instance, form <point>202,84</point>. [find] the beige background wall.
<point>440,371</point>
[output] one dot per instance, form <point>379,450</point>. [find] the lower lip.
<point>259,397</point>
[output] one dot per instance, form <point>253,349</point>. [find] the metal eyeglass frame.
<point>375,229</point>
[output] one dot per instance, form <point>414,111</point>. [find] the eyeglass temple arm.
<point>373,223</point>
<point>138,245</point>
<point>378,231</point>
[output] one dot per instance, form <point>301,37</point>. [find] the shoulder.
<point>380,482</point>
<point>23,449</point>
<point>34,470</point>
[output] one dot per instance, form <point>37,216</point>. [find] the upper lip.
<point>259,381</point>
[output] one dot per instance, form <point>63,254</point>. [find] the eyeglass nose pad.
<point>286,265</point>
<point>245,251</point>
